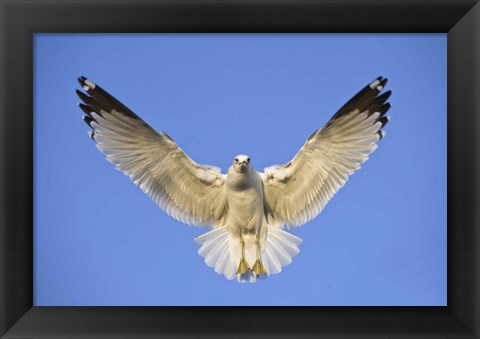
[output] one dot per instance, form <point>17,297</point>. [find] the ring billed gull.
<point>249,213</point>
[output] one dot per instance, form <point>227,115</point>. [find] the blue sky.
<point>99,240</point>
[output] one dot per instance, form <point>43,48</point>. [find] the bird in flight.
<point>247,213</point>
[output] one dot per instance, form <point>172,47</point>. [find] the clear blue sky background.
<point>99,240</point>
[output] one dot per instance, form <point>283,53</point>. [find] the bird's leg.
<point>258,267</point>
<point>243,265</point>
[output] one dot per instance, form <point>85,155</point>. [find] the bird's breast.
<point>244,184</point>
<point>245,200</point>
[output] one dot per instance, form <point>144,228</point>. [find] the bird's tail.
<point>280,248</point>
<point>220,249</point>
<point>216,251</point>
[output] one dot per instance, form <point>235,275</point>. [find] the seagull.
<point>247,213</point>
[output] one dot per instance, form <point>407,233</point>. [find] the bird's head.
<point>241,163</point>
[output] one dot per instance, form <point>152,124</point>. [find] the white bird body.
<point>246,210</point>
<point>245,200</point>
<point>246,220</point>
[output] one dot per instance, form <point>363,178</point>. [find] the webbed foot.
<point>258,268</point>
<point>242,266</point>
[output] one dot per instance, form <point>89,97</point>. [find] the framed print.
<point>59,201</point>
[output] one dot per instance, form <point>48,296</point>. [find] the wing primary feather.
<point>359,100</point>
<point>110,103</point>
<point>88,120</point>
<point>86,109</point>
<point>384,120</point>
<point>382,98</point>
<point>384,108</point>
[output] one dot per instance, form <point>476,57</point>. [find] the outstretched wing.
<point>189,192</point>
<point>298,191</point>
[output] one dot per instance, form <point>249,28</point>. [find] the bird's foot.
<point>242,266</point>
<point>258,268</point>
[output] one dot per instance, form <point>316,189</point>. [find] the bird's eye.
<point>236,160</point>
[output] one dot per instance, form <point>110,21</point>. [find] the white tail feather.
<point>281,247</point>
<point>222,260</point>
<point>217,247</point>
<point>216,251</point>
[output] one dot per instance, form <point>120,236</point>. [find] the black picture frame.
<point>460,19</point>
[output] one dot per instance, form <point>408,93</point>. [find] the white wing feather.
<point>298,191</point>
<point>189,192</point>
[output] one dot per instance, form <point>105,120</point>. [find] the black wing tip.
<point>81,95</point>
<point>384,108</point>
<point>378,84</point>
<point>91,134</point>
<point>369,97</point>
<point>382,134</point>
<point>86,84</point>
<point>86,109</point>
<point>384,120</point>
<point>370,100</point>
<point>85,105</point>
<point>88,120</point>
<point>81,80</point>
<point>385,95</point>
